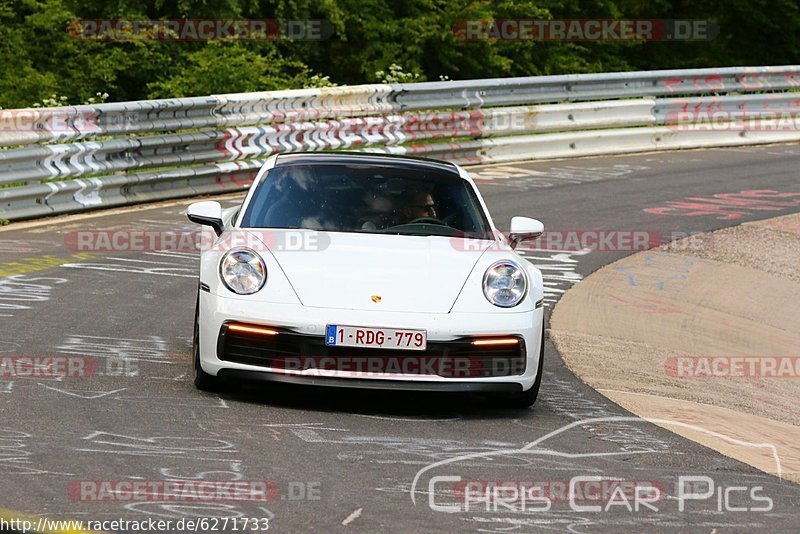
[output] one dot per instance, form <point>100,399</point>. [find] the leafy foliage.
<point>372,41</point>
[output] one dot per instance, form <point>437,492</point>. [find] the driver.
<point>420,204</point>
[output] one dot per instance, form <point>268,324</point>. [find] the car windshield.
<point>367,199</point>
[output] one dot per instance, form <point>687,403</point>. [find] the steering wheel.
<point>427,220</point>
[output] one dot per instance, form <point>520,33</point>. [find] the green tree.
<point>40,58</point>
<point>231,67</point>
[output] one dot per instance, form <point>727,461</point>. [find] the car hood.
<point>402,273</point>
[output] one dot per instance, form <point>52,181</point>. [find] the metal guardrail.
<point>76,158</point>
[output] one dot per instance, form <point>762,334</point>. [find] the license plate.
<point>376,338</point>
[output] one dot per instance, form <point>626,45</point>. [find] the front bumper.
<point>362,383</point>
<point>443,329</point>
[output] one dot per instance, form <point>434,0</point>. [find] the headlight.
<point>504,284</point>
<point>243,271</point>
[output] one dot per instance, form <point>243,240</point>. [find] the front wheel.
<point>525,399</point>
<point>202,380</point>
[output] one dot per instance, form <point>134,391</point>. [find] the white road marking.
<point>82,394</point>
<point>408,419</point>
<point>176,255</point>
<point>352,517</point>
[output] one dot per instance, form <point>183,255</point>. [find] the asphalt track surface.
<point>347,460</point>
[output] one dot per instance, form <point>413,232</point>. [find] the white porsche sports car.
<point>367,271</point>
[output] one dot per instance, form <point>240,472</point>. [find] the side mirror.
<point>208,213</point>
<point>523,228</point>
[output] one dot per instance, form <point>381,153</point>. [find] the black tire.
<point>526,399</point>
<point>202,380</point>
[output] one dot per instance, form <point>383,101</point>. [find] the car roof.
<point>364,158</point>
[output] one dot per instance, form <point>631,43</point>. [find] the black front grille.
<point>293,351</point>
